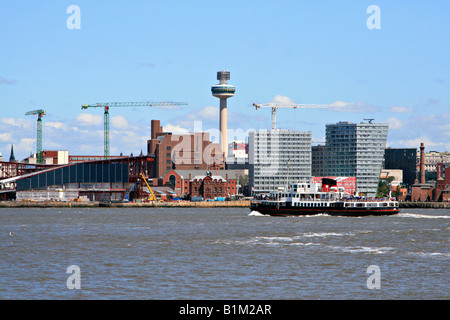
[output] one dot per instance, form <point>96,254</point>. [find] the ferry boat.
<point>321,198</point>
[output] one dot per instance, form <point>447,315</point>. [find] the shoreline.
<point>181,204</point>
<point>96,204</point>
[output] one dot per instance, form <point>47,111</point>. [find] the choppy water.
<point>221,253</point>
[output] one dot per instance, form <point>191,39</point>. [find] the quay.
<point>424,205</point>
<point>177,204</point>
<point>96,204</point>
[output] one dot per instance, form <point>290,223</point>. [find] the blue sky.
<point>301,51</point>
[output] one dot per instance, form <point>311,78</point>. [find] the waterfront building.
<point>191,151</point>
<point>277,158</point>
<point>237,152</point>
<point>208,187</point>
<point>318,156</point>
<point>348,183</point>
<point>102,180</point>
<point>432,158</point>
<point>356,150</point>
<point>180,180</point>
<point>403,159</point>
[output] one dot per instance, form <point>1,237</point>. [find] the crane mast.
<point>40,113</point>
<point>275,106</point>
<point>107,105</point>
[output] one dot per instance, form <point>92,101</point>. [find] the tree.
<point>383,187</point>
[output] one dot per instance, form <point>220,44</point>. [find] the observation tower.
<point>223,91</point>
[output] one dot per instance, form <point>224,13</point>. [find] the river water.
<point>221,253</point>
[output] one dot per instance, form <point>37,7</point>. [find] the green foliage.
<point>383,188</point>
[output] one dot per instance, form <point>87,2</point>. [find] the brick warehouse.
<point>208,186</point>
<point>440,191</point>
<point>182,182</point>
<point>192,151</point>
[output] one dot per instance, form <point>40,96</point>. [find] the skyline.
<point>288,51</point>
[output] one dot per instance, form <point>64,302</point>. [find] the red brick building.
<point>435,191</point>
<point>192,151</point>
<point>208,187</point>
<point>187,183</point>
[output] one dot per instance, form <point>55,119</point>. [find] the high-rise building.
<point>404,159</point>
<point>277,158</point>
<point>318,166</point>
<point>356,150</point>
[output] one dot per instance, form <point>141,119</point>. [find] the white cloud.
<point>25,145</point>
<point>282,99</point>
<point>175,129</point>
<point>119,122</point>
<point>20,123</point>
<point>415,143</point>
<point>5,137</point>
<point>56,125</point>
<point>360,106</point>
<point>395,123</point>
<point>398,109</point>
<point>209,113</point>
<point>87,119</point>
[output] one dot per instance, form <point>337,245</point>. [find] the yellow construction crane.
<point>275,106</point>
<point>152,198</point>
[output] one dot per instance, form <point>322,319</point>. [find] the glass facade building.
<point>277,158</point>
<point>77,173</point>
<point>356,150</point>
<point>404,159</point>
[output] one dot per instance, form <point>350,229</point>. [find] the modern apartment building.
<point>356,150</point>
<point>318,166</point>
<point>277,158</point>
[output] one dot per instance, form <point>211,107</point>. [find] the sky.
<point>390,65</point>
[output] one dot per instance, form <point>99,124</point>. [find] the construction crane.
<point>39,113</point>
<point>152,197</point>
<point>107,105</point>
<point>275,106</point>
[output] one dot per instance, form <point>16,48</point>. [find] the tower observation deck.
<point>223,91</point>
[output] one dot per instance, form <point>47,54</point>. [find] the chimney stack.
<point>422,163</point>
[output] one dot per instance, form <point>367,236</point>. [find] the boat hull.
<point>297,211</point>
